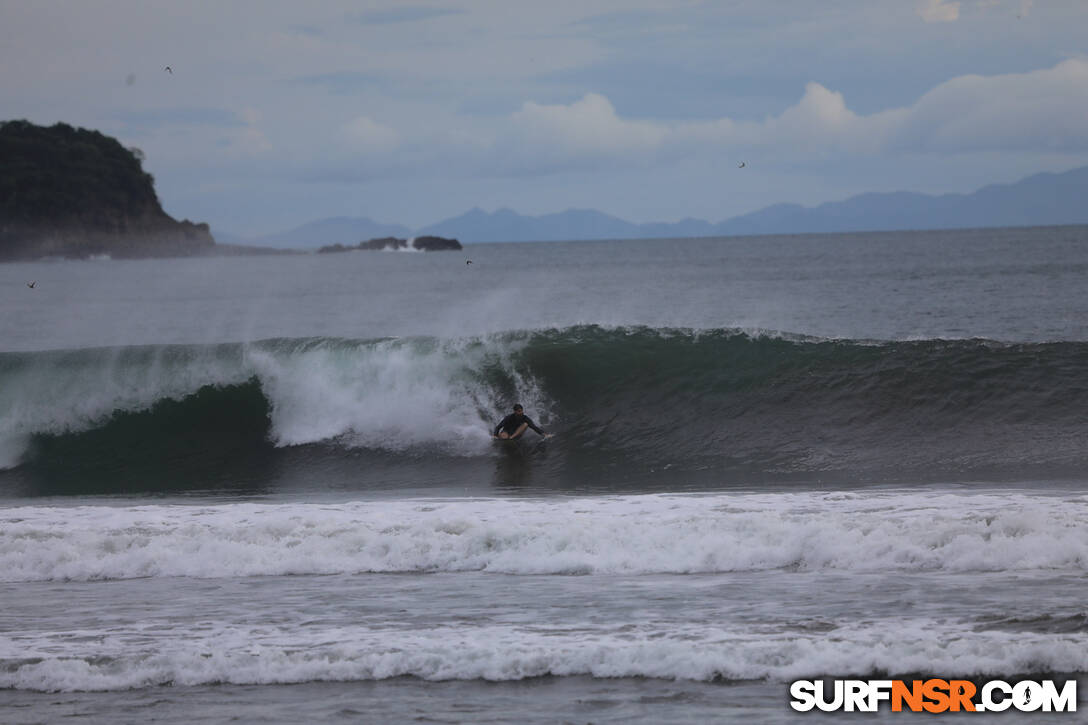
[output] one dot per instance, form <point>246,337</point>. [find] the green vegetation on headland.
<point>75,193</point>
<point>425,244</point>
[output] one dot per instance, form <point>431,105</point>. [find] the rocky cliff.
<point>75,193</point>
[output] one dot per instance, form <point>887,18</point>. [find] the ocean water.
<point>263,489</point>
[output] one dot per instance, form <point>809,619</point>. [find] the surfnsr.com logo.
<point>933,695</point>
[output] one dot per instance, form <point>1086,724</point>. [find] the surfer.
<point>513,426</point>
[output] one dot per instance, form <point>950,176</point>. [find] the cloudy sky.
<point>280,112</point>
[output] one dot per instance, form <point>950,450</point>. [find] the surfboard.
<point>522,446</point>
<point>523,439</point>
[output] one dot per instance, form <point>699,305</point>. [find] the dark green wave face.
<point>633,407</point>
<point>789,405</point>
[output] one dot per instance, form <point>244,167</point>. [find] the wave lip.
<point>632,535</point>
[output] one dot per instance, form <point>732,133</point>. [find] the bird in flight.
<point>169,70</point>
<point>468,261</point>
<point>741,165</point>
<point>31,284</point>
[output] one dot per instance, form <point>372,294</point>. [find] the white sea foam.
<point>616,535</point>
<point>392,394</point>
<point>238,654</point>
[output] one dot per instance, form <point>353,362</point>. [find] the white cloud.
<point>251,116</point>
<point>938,11</point>
<point>249,140</point>
<point>366,135</point>
<point>589,125</point>
<point>1041,111</point>
<point>822,120</point>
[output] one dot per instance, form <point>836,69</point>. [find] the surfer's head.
<point>518,409</point>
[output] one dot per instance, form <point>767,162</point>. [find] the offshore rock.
<point>425,243</point>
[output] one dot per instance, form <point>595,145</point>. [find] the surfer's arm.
<point>534,426</point>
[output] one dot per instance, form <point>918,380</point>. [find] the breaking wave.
<point>736,403</point>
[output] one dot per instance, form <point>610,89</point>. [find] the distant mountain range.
<point>1039,200</point>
